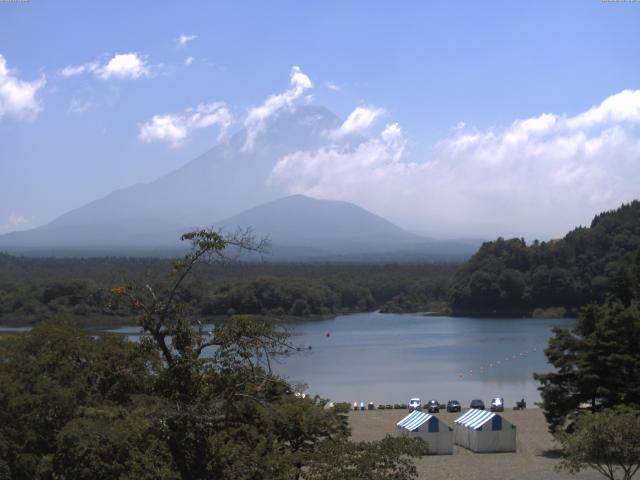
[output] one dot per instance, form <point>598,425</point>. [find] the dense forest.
<point>509,276</point>
<point>33,289</point>
<point>505,277</point>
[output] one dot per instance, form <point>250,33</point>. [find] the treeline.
<point>510,276</point>
<point>33,289</point>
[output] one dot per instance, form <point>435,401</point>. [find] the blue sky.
<point>427,65</point>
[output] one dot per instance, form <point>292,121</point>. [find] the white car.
<point>497,404</point>
<point>414,404</point>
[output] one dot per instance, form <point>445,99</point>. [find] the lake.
<point>388,358</point>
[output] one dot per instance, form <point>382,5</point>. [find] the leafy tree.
<point>181,404</point>
<point>106,443</point>
<point>47,376</point>
<point>607,442</point>
<point>388,459</point>
<point>598,362</point>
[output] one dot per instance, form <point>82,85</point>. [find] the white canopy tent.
<point>436,433</point>
<point>482,431</point>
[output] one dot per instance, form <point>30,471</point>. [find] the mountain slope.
<point>225,180</point>
<point>147,219</point>
<point>300,220</point>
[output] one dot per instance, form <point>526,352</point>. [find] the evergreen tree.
<point>598,362</point>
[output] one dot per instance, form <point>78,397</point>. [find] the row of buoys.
<point>497,363</point>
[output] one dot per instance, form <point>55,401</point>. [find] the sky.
<point>481,118</point>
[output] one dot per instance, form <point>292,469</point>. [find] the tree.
<point>48,376</point>
<point>229,415</point>
<point>387,459</point>
<point>184,403</point>
<point>607,441</point>
<point>597,362</point>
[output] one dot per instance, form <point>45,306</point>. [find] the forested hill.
<point>510,277</point>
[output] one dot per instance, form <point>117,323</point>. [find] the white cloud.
<point>18,97</point>
<point>124,65</point>
<point>79,106</point>
<point>331,170</point>
<point>120,65</point>
<point>15,222</point>
<point>74,70</point>
<point>358,121</point>
<point>188,61</point>
<point>183,40</point>
<point>254,122</point>
<point>622,107</point>
<point>332,86</point>
<point>175,128</point>
<point>539,176</point>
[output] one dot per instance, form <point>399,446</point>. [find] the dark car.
<point>479,404</point>
<point>433,406</point>
<point>453,406</point>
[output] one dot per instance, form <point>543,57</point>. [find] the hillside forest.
<point>505,277</point>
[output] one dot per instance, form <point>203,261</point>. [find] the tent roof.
<point>414,420</point>
<point>475,418</point>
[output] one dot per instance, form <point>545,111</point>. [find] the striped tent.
<point>483,431</point>
<point>436,433</point>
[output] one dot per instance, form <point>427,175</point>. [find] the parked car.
<point>414,404</point>
<point>475,403</point>
<point>433,406</point>
<point>497,404</point>
<point>453,406</point>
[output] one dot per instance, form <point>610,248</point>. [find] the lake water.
<point>388,358</point>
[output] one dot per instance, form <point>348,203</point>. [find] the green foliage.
<point>33,289</point>
<point>107,443</point>
<point>607,442</point>
<point>48,375</point>
<point>387,459</point>
<point>598,362</point>
<point>507,276</point>
<point>76,406</point>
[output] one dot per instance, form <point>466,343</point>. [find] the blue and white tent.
<point>483,431</point>
<point>436,433</point>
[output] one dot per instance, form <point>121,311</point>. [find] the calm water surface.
<point>388,358</point>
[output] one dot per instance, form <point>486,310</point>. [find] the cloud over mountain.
<point>542,173</point>
<point>175,128</point>
<point>358,121</point>
<point>256,117</point>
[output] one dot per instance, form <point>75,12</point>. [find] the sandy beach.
<point>535,458</point>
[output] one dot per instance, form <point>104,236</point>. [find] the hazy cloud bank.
<point>540,175</point>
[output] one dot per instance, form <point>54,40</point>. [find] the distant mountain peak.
<point>227,179</point>
<point>305,220</point>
